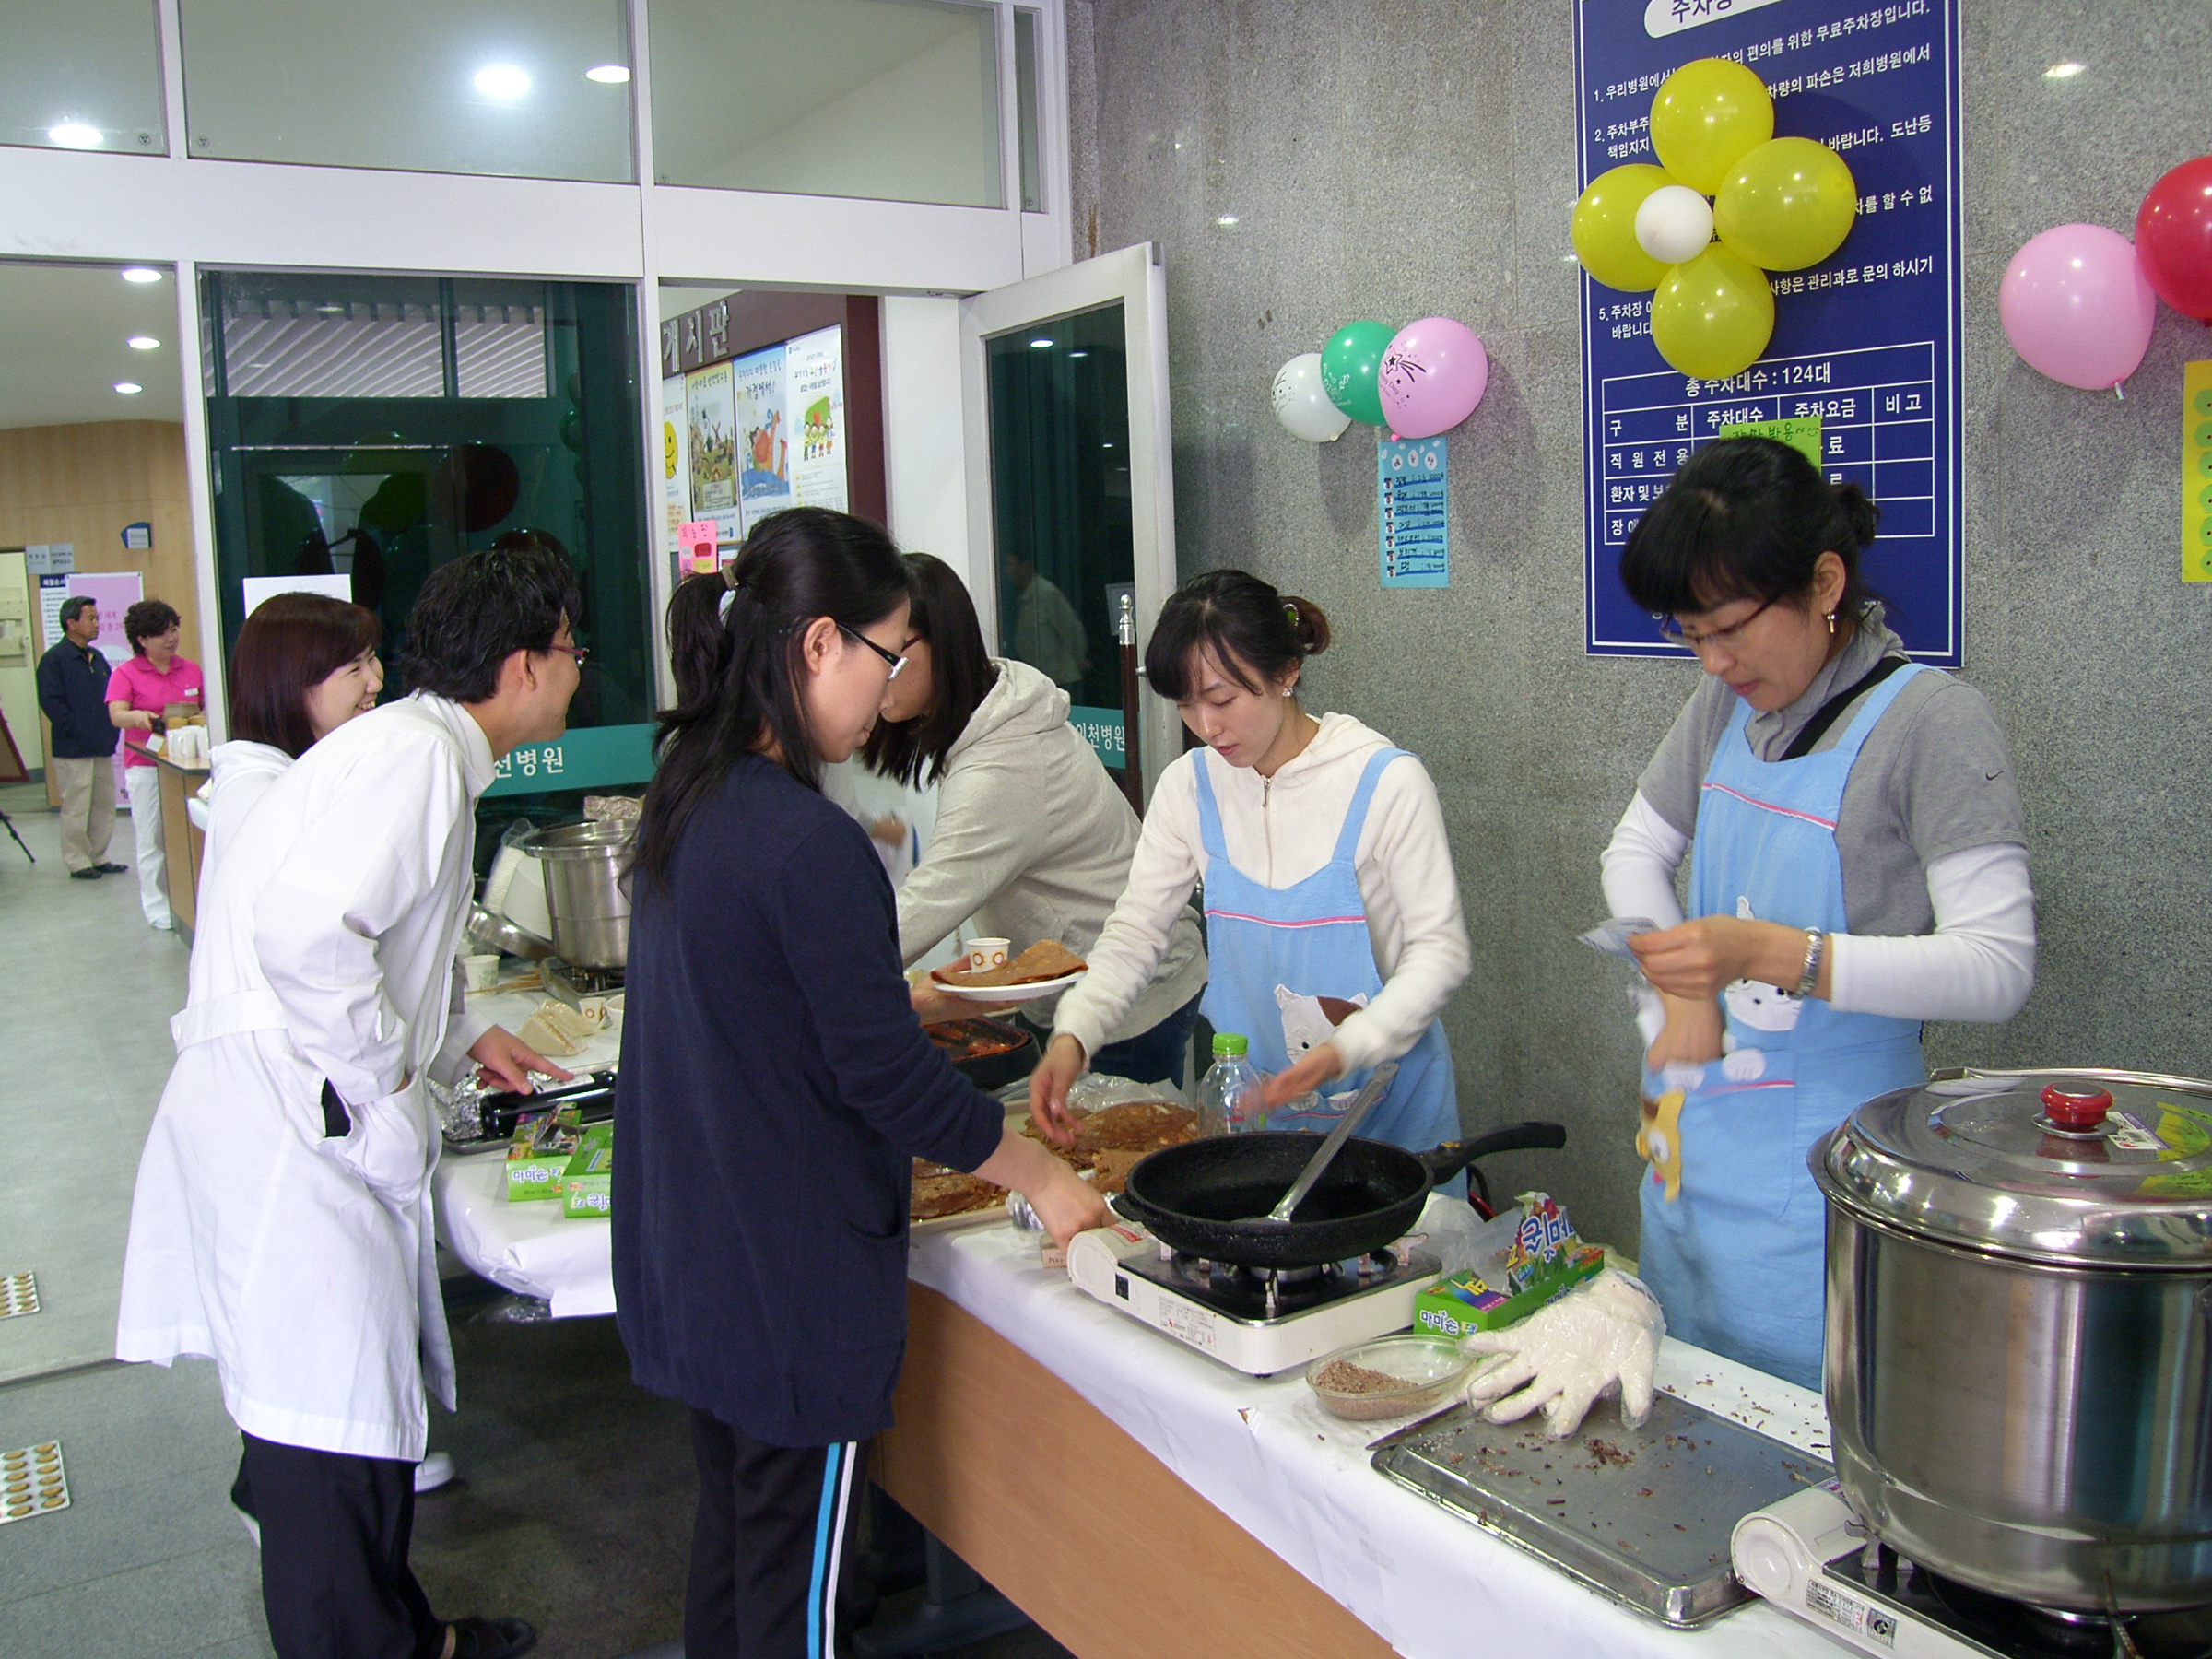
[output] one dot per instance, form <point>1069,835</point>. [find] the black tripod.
<point>9,825</point>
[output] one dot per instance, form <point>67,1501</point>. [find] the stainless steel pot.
<point>2019,1363</point>
<point>583,864</point>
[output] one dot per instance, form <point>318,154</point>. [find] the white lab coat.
<point>304,1264</point>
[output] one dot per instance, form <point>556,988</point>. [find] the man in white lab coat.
<point>282,1219</point>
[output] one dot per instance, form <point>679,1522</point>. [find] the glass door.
<point>1071,490</point>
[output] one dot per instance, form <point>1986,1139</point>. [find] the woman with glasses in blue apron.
<point>1333,930</point>
<point>1857,866</point>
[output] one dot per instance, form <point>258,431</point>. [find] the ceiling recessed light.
<point>2064,71</point>
<point>503,81</point>
<point>129,388</point>
<point>143,343</point>
<point>1078,354</point>
<point>74,134</point>
<point>1226,218</point>
<point>607,74</point>
<point>1041,344</point>
<point>140,274</point>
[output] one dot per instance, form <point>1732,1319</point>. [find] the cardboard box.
<point>539,1155</point>
<point>1540,1256</point>
<point>587,1185</point>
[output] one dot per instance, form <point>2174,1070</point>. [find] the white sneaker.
<point>253,1527</point>
<point>433,1471</point>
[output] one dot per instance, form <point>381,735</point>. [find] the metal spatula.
<point>1318,1165</point>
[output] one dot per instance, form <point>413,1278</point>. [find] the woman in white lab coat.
<point>282,1223</point>
<point>305,663</point>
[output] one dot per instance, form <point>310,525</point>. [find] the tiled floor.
<point>573,1505</point>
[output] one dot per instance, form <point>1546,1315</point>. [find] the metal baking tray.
<point>1641,1515</point>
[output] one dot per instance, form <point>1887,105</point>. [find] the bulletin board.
<point>1868,341</point>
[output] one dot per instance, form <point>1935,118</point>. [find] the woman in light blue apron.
<point>1333,929</point>
<point>1857,866</point>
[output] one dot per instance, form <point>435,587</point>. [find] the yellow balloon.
<point>1713,317</point>
<point>1787,205</point>
<point>1604,228</point>
<point>1705,116</point>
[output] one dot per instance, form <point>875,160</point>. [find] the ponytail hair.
<point>1747,518</point>
<point>734,645</point>
<point>1256,633</point>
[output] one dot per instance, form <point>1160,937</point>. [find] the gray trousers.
<point>87,810</point>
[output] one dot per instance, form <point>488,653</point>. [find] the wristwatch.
<point>1815,943</point>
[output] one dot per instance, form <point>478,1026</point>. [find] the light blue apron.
<point>1736,1254</point>
<point>1271,952</point>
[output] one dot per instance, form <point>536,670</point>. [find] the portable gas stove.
<point>1812,1558</point>
<point>1258,1319</point>
<point>570,982</point>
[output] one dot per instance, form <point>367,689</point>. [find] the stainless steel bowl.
<point>584,864</point>
<point>2018,1364</point>
<point>497,933</point>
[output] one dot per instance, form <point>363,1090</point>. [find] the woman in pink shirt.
<point>154,678</point>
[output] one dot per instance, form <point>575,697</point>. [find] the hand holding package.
<point>1565,1355</point>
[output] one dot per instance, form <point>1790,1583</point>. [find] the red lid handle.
<point>2080,1108</point>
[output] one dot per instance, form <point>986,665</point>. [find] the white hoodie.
<point>1279,831</point>
<point>1034,839</point>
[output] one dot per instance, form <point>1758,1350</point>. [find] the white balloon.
<point>1302,405</point>
<point>1674,224</point>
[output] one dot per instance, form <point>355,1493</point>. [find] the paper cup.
<point>483,972</point>
<point>986,953</point>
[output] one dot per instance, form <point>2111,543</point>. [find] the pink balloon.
<point>2077,306</point>
<point>1434,374</point>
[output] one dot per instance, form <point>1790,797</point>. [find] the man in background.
<point>73,693</point>
<point>1043,630</point>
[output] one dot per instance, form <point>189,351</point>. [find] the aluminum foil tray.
<point>1641,1515</point>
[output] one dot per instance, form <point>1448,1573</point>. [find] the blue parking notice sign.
<point>1868,341</point>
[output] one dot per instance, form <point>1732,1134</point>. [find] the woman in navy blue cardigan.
<point>774,1081</point>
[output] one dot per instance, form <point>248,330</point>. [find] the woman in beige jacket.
<point>1034,838</point>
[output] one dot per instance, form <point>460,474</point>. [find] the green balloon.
<point>1349,363</point>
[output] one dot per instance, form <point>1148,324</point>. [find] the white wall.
<point>925,460</point>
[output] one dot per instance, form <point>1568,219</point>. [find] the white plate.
<point>1012,993</point>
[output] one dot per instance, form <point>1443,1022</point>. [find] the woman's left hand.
<point>1321,1065</point>
<point>507,1061</point>
<point>935,1005</point>
<point>1701,958</point>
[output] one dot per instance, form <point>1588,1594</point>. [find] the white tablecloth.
<point>1262,1452</point>
<point>530,1248</point>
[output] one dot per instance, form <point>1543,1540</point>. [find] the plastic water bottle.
<point>1229,1095</point>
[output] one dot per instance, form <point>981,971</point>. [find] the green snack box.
<point>539,1155</point>
<point>1541,1256</point>
<point>587,1185</point>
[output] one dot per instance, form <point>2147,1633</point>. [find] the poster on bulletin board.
<point>764,435</point>
<point>1867,342</point>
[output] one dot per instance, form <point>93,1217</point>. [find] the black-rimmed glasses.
<point>896,661</point>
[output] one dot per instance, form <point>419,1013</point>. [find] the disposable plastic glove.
<point>1565,1355</point>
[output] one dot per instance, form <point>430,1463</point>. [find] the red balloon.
<point>2173,238</point>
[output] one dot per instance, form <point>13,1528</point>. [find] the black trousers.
<point>772,1547</point>
<point>335,1580</point>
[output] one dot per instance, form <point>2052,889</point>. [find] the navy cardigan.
<point>774,1086</point>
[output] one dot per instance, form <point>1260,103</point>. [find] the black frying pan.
<point>1196,1197</point>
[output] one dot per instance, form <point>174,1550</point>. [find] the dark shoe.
<point>113,869</point>
<point>491,1638</point>
<point>91,875</point>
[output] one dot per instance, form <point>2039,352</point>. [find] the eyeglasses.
<point>896,661</point>
<point>1673,632</point>
<point>581,652</point>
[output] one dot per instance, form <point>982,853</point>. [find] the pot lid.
<point>2094,1169</point>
